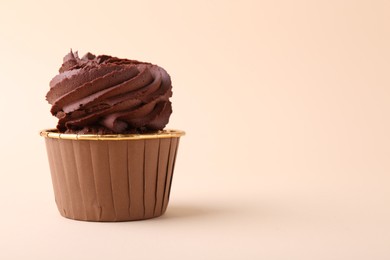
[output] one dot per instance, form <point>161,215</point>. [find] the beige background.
<point>286,108</point>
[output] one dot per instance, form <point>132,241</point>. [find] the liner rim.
<point>166,133</point>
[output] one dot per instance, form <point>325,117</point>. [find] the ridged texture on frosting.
<point>105,95</point>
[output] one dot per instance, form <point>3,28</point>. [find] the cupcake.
<point>110,157</point>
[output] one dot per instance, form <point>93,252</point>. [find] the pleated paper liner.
<point>112,177</point>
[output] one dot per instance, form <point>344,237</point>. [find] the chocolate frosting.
<point>104,94</point>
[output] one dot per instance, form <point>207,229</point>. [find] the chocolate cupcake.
<point>110,157</point>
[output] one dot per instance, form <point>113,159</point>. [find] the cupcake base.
<point>112,177</point>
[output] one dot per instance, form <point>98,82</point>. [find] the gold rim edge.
<point>168,133</point>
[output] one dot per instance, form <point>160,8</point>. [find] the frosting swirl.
<point>104,94</point>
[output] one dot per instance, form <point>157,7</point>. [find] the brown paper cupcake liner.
<point>112,177</point>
